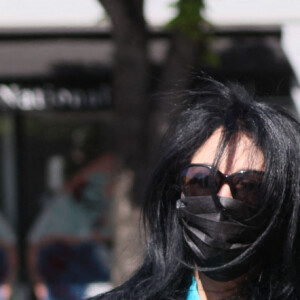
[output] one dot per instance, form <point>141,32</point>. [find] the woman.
<point>222,210</point>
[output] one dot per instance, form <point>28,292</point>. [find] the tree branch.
<point>126,15</point>
<point>130,78</point>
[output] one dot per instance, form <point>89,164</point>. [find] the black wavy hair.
<point>165,272</point>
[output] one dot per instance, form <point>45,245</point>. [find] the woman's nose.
<point>225,191</point>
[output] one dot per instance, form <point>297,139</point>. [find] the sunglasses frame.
<point>224,178</point>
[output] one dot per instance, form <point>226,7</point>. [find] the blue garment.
<point>65,292</point>
<point>68,268</point>
<point>193,291</point>
<point>61,263</point>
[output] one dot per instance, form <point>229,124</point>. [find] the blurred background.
<point>87,89</point>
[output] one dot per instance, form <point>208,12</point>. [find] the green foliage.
<point>189,18</point>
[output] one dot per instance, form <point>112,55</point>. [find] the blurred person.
<point>222,209</point>
<point>68,245</point>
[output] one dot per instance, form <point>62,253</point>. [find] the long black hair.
<point>166,272</point>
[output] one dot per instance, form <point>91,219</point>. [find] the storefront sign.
<point>48,97</point>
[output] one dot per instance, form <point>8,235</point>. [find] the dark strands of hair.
<point>167,269</point>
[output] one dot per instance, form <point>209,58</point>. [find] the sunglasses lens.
<point>195,181</point>
<point>246,186</point>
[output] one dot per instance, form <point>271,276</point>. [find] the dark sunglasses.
<point>204,180</point>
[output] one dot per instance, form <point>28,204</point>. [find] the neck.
<point>210,289</point>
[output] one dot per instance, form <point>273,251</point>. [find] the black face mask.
<point>217,231</point>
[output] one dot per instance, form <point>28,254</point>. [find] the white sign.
<point>47,97</point>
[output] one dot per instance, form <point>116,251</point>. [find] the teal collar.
<point>193,291</point>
